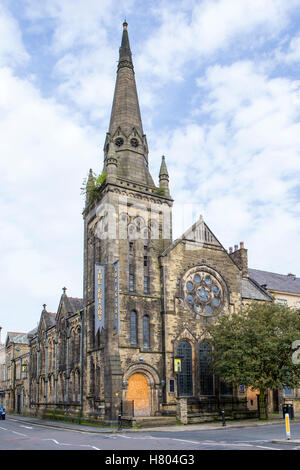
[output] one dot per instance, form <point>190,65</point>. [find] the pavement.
<point>273,420</point>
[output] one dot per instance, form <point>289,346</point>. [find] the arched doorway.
<point>138,391</point>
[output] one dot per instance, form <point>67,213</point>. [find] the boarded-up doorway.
<point>138,391</point>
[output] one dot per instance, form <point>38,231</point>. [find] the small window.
<point>145,260</point>
<point>133,327</point>
<point>146,332</point>
<point>172,386</point>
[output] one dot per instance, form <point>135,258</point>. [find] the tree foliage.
<point>254,347</point>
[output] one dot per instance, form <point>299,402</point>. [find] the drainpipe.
<point>82,316</point>
<point>56,372</point>
<point>46,366</point>
<point>68,371</point>
<point>37,370</point>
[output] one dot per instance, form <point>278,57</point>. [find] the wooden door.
<point>138,391</point>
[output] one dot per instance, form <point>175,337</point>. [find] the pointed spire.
<point>125,112</point>
<point>163,173</point>
<point>164,177</point>
<point>125,140</point>
<point>125,57</point>
<point>89,187</point>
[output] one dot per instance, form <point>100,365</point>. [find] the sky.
<point>219,91</point>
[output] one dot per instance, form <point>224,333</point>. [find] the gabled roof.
<point>275,281</point>
<point>198,233</point>
<point>17,338</point>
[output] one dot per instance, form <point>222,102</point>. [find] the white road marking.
<point>74,445</point>
<point>268,448</point>
<point>19,433</point>
<point>183,440</point>
<point>27,427</point>
<point>4,429</point>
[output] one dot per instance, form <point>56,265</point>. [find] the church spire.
<point>126,109</point>
<point>125,57</point>
<point>126,141</point>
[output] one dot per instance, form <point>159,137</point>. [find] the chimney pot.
<point>293,276</point>
<point>235,247</point>
<point>230,249</point>
<point>242,245</point>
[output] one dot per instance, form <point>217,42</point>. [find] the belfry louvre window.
<point>146,285</point>
<point>146,332</point>
<point>185,377</point>
<point>206,376</point>
<point>133,328</point>
<point>131,278</point>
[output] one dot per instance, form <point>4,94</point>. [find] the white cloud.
<point>12,50</point>
<point>241,169</point>
<point>46,155</point>
<point>293,52</point>
<point>210,27</point>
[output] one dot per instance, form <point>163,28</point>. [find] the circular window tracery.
<point>203,293</point>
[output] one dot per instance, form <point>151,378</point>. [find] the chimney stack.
<point>240,257</point>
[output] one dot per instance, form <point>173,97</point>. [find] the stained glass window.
<point>206,376</point>
<point>185,377</point>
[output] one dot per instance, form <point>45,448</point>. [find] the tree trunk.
<point>263,404</point>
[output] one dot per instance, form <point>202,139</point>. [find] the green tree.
<point>254,347</point>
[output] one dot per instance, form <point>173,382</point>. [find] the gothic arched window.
<point>146,332</point>
<point>185,376</point>
<point>206,376</point>
<point>133,327</point>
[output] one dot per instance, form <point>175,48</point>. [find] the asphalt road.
<point>19,435</point>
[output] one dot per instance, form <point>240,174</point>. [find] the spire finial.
<point>64,290</point>
<point>44,305</point>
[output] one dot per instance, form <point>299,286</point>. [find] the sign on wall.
<point>116,294</point>
<point>99,297</point>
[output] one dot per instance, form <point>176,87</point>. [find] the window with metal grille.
<point>146,332</point>
<point>206,376</point>
<point>185,377</point>
<point>133,327</point>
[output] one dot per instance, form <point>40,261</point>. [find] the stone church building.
<point>138,335</point>
<point>147,298</point>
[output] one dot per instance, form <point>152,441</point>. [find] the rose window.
<point>203,293</point>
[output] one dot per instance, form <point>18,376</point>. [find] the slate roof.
<point>274,281</point>
<point>76,303</point>
<point>17,338</point>
<point>49,319</point>
<point>250,290</point>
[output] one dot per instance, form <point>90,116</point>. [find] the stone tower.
<point>127,225</point>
